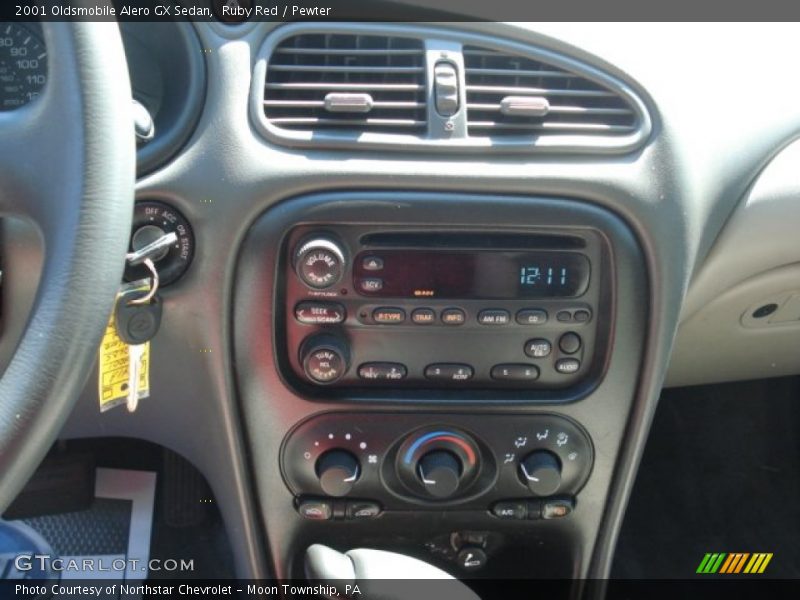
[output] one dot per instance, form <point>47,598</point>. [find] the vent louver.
<point>510,95</point>
<point>347,82</point>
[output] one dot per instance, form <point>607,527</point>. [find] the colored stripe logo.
<point>734,563</point>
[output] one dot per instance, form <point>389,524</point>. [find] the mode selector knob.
<point>440,472</point>
<point>338,470</point>
<point>325,358</point>
<point>541,472</point>
<point>319,263</point>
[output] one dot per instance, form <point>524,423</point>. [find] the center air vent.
<point>511,95</point>
<point>350,83</point>
<point>411,88</point>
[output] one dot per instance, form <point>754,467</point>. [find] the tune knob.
<point>440,472</point>
<point>325,358</point>
<point>338,470</point>
<point>541,472</point>
<point>319,263</point>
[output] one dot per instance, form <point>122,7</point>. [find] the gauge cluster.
<point>23,64</point>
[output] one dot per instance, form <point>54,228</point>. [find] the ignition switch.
<point>151,221</point>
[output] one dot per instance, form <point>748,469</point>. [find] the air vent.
<point>348,83</point>
<point>510,95</point>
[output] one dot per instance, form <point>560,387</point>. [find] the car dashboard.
<point>430,278</point>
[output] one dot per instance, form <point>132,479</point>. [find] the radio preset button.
<point>494,316</point>
<point>423,316</point>
<point>453,316</point>
<point>532,316</point>
<point>319,313</point>
<point>382,371</point>
<point>568,366</point>
<point>372,263</point>
<point>371,284</point>
<point>570,343</point>
<point>388,315</point>
<point>538,348</point>
<point>515,372</point>
<point>449,372</point>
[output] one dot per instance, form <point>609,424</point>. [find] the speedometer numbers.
<point>23,65</point>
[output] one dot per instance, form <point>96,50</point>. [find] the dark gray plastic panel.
<point>270,407</point>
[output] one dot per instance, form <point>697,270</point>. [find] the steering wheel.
<point>67,163</point>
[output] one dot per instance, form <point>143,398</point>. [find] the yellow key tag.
<point>113,370</point>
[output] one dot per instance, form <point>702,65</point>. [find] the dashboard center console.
<point>449,391</point>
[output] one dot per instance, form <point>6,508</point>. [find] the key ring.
<point>153,288</point>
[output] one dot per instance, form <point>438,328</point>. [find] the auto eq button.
<point>538,348</point>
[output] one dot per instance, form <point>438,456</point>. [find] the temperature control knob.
<point>338,470</point>
<point>325,358</point>
<point>541,472</point>
<point>319,263</point>
<point>440,473</point>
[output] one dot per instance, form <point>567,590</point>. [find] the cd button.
<point>568,366</point>
<point>371,285</point>
<point>453,316</point>
<point>372,263</point>
<point>390,316</point>
<point>531,316</point>
<point>494,316</point>
<point>448,372</point>
<point>382,371</point>
<point>515,372</point>
<point>538,348</point>
<point>423,316</point>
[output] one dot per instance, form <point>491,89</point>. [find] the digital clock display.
<point>490,274</point>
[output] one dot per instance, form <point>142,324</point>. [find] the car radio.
<point>414,308</point>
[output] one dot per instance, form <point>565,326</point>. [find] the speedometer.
<point>23,65</point>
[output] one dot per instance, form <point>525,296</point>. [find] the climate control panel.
<point>399,308</point>
<point>407,461</point>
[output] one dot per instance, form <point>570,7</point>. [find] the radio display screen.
<point>490,274</point>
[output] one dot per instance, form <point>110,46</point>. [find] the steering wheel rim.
<point>67,162</point>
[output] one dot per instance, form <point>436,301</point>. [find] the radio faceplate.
<point>371,306</point>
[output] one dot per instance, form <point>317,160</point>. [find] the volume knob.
<point>319,263</point>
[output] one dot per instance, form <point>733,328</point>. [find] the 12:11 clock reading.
<point>534,275</point>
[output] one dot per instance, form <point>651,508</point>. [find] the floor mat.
<point>720,473</point>
<point>111,539</point>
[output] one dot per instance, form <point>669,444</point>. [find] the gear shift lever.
<point>382,575</point>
